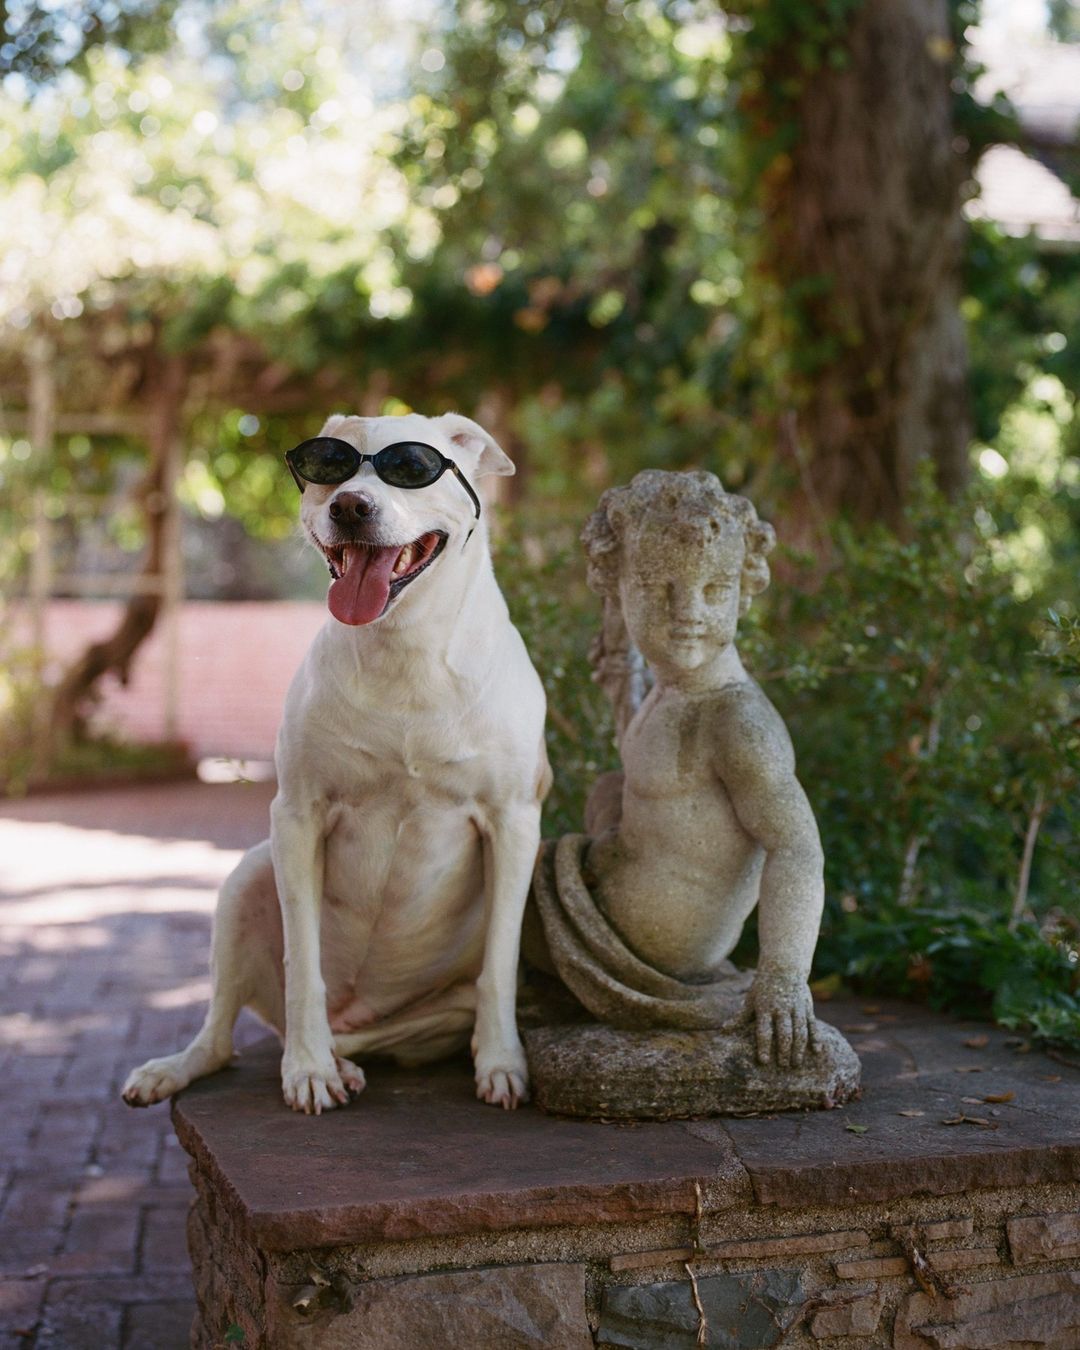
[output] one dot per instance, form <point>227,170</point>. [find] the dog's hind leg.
<point>423,1032</point>
<point>245,950</point>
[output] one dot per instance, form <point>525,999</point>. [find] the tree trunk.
<point>114,654</point>
<point>862,254</point>
<point>494,413</point>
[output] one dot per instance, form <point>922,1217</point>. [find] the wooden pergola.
<point>148,395</point>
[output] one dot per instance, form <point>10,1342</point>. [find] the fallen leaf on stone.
<point>971,1120</point>
<point>857,1129</point>
<point>860,1027</point>
<point>871,1008</point>
<point>974,1101</point>
<point>1019,1044</point>
<point>911,1114</point>
<point>969,1068</point>
<point>977,1042</point>
<point>999,1096</point>
<point>1050,1077</point>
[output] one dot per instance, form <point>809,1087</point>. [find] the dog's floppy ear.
<point>471,436</point>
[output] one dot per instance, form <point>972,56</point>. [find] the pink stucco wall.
<point>236,661</point>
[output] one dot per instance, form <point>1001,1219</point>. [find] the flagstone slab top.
<point>417,1155</point>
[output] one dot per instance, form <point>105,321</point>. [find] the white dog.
<point>385,911</point>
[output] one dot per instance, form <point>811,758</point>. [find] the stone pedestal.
<point>604,1073</point>
<point>921,1215</point>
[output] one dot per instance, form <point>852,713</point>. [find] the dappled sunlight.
<point>108,933</point>
<point>64,941</point>
<point>57,873</point>
<point>106,930</point>
<point>46,1035</point>
<point>181,995</point>
<point>226,769</point>
<point>74,907</point>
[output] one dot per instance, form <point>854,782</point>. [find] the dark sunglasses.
<point>327,461</point>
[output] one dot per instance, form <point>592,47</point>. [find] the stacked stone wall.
<point>994,1268</point>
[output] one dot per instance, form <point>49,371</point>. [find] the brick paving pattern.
<point>105,908</point>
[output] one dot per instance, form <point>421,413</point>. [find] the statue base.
<point>604,1073</point>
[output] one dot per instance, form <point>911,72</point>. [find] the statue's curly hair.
<point>692,498</point>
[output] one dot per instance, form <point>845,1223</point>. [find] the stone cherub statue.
<point>706,821</point>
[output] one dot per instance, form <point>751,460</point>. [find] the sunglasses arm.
<point>465,484</point>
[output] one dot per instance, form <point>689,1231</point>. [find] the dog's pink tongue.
<point>361,594</point>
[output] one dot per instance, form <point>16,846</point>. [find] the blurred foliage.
<point>568,245</point>
<point>920,658</point>
<point>38,40</point>
<point>188,193</point>
<point>1063,18</point>
<point>553,609</point>
<point>1020,306</point>
<point>546,213</point>
<point>579,159</point>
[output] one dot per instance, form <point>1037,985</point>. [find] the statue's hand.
<point>781,1008</point>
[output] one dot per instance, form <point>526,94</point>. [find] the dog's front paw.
<point>502,1077</point>
<point>314,1089</point>
<point>154,1081</point>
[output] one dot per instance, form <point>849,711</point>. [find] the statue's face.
<point>680,595</point>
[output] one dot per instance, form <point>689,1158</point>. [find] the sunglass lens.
<point>409,465</point>
<point>325,460</point>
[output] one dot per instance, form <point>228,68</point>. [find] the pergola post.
<point>41,427</point>
<point>172,585</point>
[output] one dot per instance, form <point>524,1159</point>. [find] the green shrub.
<point>930,729</point>
<point>557,615</point>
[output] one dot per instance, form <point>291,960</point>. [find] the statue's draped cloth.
<point>602,972</point>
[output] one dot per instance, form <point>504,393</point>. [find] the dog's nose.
<point>352,507</point>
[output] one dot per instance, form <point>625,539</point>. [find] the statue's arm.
<point>757,764</point>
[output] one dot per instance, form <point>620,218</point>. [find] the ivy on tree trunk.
<point>857,175</point>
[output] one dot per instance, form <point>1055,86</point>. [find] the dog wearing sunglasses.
<point>384,912</point>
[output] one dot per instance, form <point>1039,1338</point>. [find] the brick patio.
<point>105,908</point>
